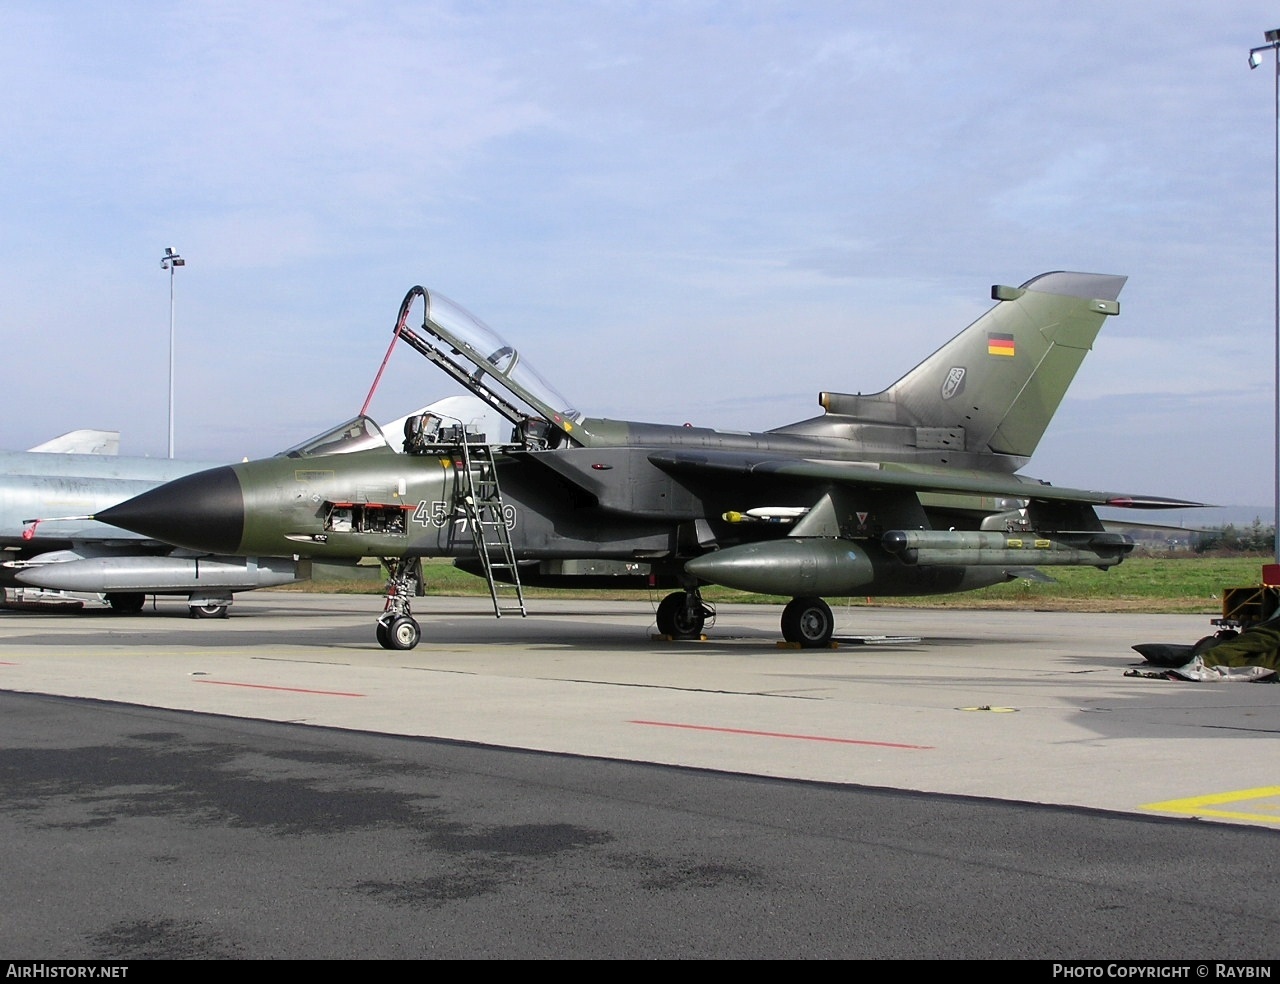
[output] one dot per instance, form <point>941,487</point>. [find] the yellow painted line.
<point>1203,806</point>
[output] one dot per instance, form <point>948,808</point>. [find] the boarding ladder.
<point>479,498</point>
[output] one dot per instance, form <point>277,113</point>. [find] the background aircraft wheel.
<point>809,622</point>
<point>208,611</point>
<point>676,619</point>
<point>127,603</point>
<point>402,633</point>
<point>384,640</point>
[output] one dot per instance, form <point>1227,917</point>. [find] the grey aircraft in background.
<point>66,556</point>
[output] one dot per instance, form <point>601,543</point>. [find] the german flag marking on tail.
<point>999,343</point>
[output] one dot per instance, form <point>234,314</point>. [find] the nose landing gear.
<point>397,628</point>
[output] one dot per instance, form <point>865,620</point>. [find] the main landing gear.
<point>397,629</point>
<point>808,622</point>
<point>682,614</point>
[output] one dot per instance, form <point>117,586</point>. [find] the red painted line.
<point>3,663</point>
<point>775,734</point>
<point>292,690</point>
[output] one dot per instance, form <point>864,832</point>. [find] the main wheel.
<point>127,603</point>
<point>402,633</point>
<point>678,619</point>
<point>809,622</point>
<point>209,611</point>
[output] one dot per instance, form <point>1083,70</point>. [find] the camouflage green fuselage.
<point>607,501</point>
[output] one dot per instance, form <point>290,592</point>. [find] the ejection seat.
<point>420,432</point>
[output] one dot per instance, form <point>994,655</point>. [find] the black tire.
<point>403,633</point>
<point>677,619</point>
<point>127,603</point>
<point>808,622</point>
<point>208,611</point>
<point>384,640</point>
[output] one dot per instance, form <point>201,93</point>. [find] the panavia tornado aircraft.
<point>910,491</point>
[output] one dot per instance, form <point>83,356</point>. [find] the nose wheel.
<point>398,631</point>
<point>396,628</point>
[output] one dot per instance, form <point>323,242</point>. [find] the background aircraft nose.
<point>204,511</point>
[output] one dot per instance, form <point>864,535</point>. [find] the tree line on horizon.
<point>1256,538</point>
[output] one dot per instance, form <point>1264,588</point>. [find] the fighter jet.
<point>52,549</point>
<point>913,490</point>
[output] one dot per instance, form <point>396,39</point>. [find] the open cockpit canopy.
<point>480,360</point>
<point>476,357</point>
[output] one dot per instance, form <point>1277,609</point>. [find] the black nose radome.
<point>204,511</point>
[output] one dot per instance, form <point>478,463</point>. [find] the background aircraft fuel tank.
<point>160,574</point>
<point>971,549</point>
<point>790,566</point>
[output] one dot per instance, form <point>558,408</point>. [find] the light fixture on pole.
<point>1255,59</point>
<point>171,261</point>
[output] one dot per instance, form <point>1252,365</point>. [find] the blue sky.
<point>690,211</point>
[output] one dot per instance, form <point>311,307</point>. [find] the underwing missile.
<point>975,549</point>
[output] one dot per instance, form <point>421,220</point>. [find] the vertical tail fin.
<point>1000,381</point>
<point>83,441</point>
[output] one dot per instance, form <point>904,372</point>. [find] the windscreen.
<point>357,434</point>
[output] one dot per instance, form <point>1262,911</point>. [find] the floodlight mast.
<point>171,261</point>
<point>1256,59</point>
